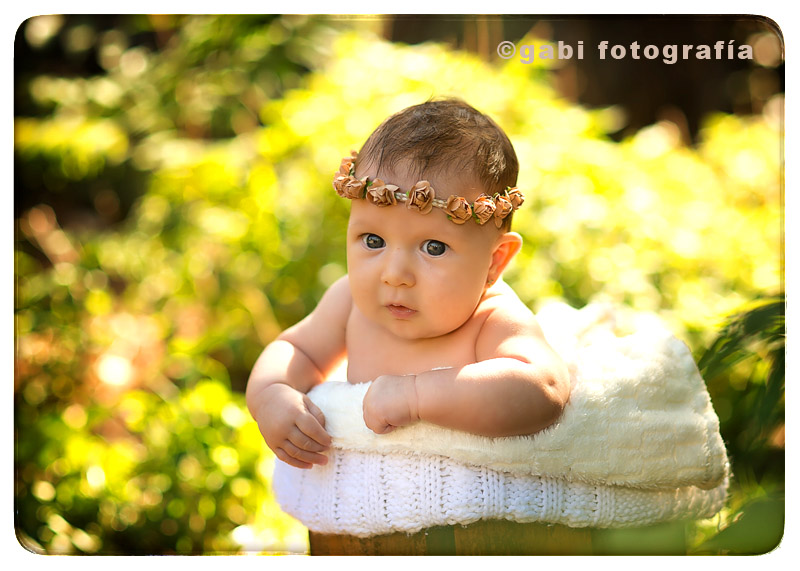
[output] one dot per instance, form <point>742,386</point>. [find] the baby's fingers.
<point>314,410</point>
<point>382,428</point>
<point>310,425</point>
<point>293,456</point>
<point>376,424</point>
<point>303,441</point>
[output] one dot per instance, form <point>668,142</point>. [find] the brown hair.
<point>446,135</point>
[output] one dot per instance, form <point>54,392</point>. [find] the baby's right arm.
<point>299,359</point>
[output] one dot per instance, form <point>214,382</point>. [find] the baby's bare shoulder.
<point>504,305</point>
<point>329,315</point>
<point>510,328</point>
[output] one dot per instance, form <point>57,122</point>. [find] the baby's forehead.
<point>398,218</point>
<point>445,181</point>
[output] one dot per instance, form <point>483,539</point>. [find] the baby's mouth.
<point>400,311</point>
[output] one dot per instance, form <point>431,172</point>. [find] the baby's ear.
<point>507,246</point>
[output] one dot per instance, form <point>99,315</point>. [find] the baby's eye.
<point>434,247</point>
<point>373,241</point>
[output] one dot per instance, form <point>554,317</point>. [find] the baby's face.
<point>417,275</point>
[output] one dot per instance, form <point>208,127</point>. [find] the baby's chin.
<point>409,331</point>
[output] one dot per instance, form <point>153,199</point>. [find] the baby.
<point>423,312</point>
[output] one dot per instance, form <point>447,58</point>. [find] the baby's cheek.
<point>458,309</point>
<point>361,296</point>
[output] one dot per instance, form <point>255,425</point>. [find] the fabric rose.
<point>420,197</point>
<point>339,180</point>
<point>351,187</point>
<point>382,194</point>
<point>515,197</point>
<point>502,210</point>
<point>483,209</point>
<point>458,209</point>
<point>346,166</point>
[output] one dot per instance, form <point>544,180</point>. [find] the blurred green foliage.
<point>207,223</point>
<point>745,371</point>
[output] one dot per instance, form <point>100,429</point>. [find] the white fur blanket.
<point>639,415</point>
<point>639,418</point>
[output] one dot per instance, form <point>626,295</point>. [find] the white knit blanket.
<point>638,443</point>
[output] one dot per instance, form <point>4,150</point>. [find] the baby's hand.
<point>391,401</point>
<point>293,427</point>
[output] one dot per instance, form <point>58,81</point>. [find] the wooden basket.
<point>501,537</point>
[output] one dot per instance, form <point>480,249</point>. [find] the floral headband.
<point>422,197</point>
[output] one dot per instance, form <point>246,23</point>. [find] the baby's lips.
<point>400,310</point>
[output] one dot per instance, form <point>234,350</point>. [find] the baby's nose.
<point>398,270</point>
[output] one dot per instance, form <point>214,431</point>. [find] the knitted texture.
<point>368,493</point>
<point>638,443</point>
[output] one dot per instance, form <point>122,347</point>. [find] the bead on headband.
<point>422,196</point>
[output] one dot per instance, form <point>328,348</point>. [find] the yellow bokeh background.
<point>134,339</point>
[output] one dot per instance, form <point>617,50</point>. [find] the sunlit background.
<point>174,212</point>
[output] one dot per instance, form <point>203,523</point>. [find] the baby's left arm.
<point>518,385</point>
